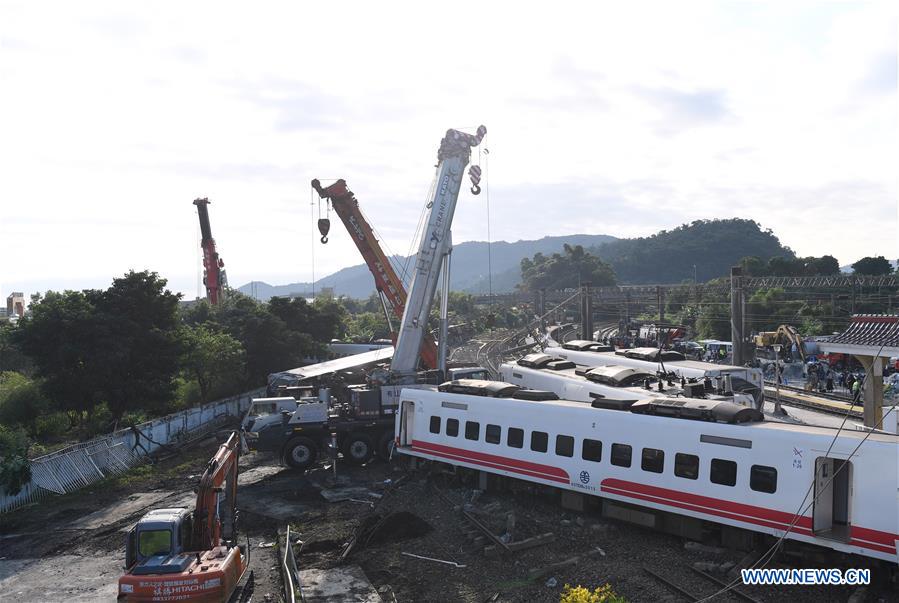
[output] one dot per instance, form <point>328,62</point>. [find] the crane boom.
<point>214,277</point>
<point>387,282</point>
<point>452,157</point>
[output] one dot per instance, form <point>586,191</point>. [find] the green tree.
<point>11,356</point>
<point>15,470</point>
<point>568,269</point>
<point>142,345</point>
<point>22,402</point>
<point>213,358</point>
<point>874,266</point>
<point>63,336</point>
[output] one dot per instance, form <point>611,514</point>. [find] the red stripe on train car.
<point>548,472</point>
<point>762,513</point>
<point>861,537</point>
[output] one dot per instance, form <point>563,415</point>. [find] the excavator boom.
<point>387,281</point>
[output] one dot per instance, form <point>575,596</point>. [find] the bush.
<point>187,394</point>
<point>22,402</point>
<point>15,470</point>
<point>51,426</point>
<point>579,594</point>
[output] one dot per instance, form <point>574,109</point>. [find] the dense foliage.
<point>872,266</point>
<point>82,362</point>
<point>669,256</point>
<point>564,270</point>
<point>790,266</point>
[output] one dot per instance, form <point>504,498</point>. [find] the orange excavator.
<point>389,286</point>
<point>181,555</point>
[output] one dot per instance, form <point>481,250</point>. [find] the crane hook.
<point>474,173</point>
<point>324,227</point>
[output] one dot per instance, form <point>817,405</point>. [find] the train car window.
<point>539,441</point>
<point>564,445</point>
<point>723,472</point>
<point>493,434</point>
<point>653,460</point>
<point>686,465</point>
<point>591,450</point>
<point>452,427</point>
<point>515,437</point>
<point>435,424</point>
<point>621,455</point>
<point>763,479</point>
<point>472,430</point>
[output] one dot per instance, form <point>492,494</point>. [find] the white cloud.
<point>620,119</point>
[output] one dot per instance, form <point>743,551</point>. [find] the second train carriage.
<point>752,475</point>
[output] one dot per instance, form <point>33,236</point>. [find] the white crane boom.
<point>454,154</point>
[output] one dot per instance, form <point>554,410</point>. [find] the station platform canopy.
<point>867,335</point>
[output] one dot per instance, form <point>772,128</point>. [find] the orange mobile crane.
<point>390,287</point>
<point>181,555</point>
<point>214,277</point>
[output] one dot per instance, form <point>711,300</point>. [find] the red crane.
<point>214,277</point>
<point>388,284</point>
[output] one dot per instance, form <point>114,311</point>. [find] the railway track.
<point>690,593</point>
<point>829,395</point>
<point>833,407</point>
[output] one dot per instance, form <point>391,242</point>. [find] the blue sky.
<point>602,118</point>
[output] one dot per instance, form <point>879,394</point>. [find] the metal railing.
<point>85,463</point>
<point>293,591</point>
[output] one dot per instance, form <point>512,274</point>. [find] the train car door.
<point>407,421</point>
<point>830,515</point>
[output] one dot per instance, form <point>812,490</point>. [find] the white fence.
<point>82,464</point>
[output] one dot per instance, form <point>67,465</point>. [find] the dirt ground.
<point>71,548</point>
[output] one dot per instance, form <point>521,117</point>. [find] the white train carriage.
<point>613,382</point>
<point>752,475</point>
<point>581,353</point>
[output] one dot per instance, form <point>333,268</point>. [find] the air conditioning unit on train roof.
<point>559,365</point>
<point>536,361</point>
<point>698,410</point>
<point>480,387</point>
<point>619,376</point>
<point>652,354</point>
<point>585,345</point>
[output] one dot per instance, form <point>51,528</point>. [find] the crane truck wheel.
<point>385,445</point>
<point>300,453</point>
<point>358,448</point>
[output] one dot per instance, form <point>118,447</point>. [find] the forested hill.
<point>668,256</point>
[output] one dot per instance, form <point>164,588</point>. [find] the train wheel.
<point>300,453</point>
<point>358,448</point>
<point>386,444</point>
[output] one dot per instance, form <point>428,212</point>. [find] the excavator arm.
<point>387,282</point>
<point>215,514</point>
<point>784,335</point>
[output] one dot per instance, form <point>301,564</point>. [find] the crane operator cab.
<point>156,543</point>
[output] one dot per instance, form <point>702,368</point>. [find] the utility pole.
<point>660,298</point>
<point>777,409</point>
<point>736,313</point>
<point>586,312</point>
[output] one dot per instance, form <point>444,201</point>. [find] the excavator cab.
<point>156,544</point>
